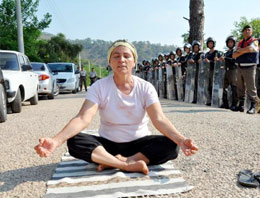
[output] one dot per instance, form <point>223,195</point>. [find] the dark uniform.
<point>246,73</point>
<point>211,56</point>
<point>171,62</point>
<point>230,78</point>
<point>181,61</point>
<point>147,69</point>
<point>196,57</point>
<point>187,49</point>
<point>83,79</point>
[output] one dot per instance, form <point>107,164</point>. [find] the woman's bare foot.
<point>132,166</point>
<point>138,166</point>
<point>102,167</point>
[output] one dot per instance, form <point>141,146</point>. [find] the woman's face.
<point>122,60</point>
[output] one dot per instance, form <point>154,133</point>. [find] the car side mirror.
<point>26,67</point>
<point>55,73</point>
<point>77,72</point>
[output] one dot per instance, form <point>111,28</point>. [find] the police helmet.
<point>172,53</point>
<point>210,39</point>
<point>195,42</point>
<point>230,38</point>
<point>161,54</point>
<point>187,45</point>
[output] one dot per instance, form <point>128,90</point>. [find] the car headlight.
<point>71,80</point>
<point>7,84</point>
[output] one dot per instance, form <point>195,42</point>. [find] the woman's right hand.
<point>46,146</point>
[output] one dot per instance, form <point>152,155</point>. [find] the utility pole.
<point>79,61</point>
<point>88,65</point>
<point>19,26</point>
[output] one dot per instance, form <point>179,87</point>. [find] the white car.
<point>48,85</point>
<point>67,76</point>
<point>20,81</point>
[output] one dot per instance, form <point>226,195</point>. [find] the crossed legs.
<point>130,156</point>
<point>135,163</point>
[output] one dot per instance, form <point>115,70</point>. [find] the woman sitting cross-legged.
<point>123,101</point>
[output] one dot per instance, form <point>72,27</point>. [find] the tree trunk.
<point>196,21</point>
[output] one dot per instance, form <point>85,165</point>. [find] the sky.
<point>156,21</point>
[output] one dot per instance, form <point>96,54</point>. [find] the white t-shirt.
<point>123,117</point>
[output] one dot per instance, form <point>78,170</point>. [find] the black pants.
<point>158,149</point>
<point>92,80</point>
<point>83,82</point>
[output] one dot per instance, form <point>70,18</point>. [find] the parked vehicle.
<point>3,98</point>
<point>21,82</point>
<point>47,82</point>
<point>67,76</point>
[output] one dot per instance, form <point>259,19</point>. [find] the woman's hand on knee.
<point>46,146</point>
<point>188,148</point>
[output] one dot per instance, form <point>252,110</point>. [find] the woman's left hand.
<point>188,148</point>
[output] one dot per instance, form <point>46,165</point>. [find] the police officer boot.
<point>225,100</point>
<point>241,107</point>
<point>252,108</point>
<point>234,106</point>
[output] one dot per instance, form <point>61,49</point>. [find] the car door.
<point>34,79</point>
<point>77,76</point>
<point>25,79</point>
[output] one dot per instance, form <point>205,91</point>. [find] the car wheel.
<point>75,90</point>
<point>16,105</point>
<point>3,107</point>
<point>57,90</point>
<point>51,96</point>
<point>34,99</point>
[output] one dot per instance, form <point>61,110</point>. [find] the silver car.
<point>48,85</point>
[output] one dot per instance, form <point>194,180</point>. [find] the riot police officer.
<point>230,78</point>
<point>180,60</point>
<point>195,58</point>
<point>188,54</point>
<point>211,57</point>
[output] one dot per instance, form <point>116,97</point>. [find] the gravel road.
<point>228,141</point>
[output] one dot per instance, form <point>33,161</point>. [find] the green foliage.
<point>32,27</point>
<point>58,49</point>
<point>185,37</point>
<point>255,23</point>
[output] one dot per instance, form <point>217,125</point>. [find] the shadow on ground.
<point>12,178</point>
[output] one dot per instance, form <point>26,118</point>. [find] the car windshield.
<point>8,61</point>
<point>60,67</point>
<point>38,66</point>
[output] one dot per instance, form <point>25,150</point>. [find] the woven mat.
<point>77,178</point>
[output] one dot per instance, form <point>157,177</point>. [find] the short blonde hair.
<point>124,43</point>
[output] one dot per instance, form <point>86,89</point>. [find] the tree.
<point>196,21</point>
<point>58,49</point>
<point>32,27</point>
<point>255,23</point>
